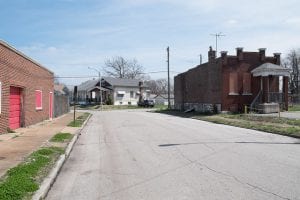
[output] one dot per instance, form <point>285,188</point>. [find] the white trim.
<point>121,92</point>
<point>39,108</point>
<point>233,93</point>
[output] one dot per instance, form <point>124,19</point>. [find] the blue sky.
<point>68,36</point>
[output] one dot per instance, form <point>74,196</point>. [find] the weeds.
<point>61,137</point>
<point>21,181</point>
<point>79,120</point>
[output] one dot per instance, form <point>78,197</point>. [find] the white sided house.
<point>119,91</point>
<point>125,91</point>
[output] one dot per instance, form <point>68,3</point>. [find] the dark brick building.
<point>26,90</point>
<point>231,82</point>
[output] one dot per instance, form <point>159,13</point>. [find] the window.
<point>120,94</point>
<point>233,83</point>
<point>38,100</point>
<point>0,97</point>
<point>246,84</point>
<point>131,94</point>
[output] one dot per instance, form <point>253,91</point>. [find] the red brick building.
<point>26,90</point>
<point>231,82</point>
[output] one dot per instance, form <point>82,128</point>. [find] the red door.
<point>50,105</point>
<point>14,107</point>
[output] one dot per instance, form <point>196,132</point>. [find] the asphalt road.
<point>135,155</point>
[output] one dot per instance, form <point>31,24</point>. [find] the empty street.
<point>135,154</point>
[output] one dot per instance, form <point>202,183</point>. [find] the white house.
<point>120,91</point>
<point>125,91</point>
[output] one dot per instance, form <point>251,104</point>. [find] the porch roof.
<point>97,87</point>
<point>269,69</point>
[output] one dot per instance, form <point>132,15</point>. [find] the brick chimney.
<point>224,57</point>
<point>277,58</point>
<point>262,54</point>
<point>211,54</point>
<point>239,53</point>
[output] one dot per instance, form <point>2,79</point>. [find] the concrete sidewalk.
<point>14,147</point>
<point>287,114</point>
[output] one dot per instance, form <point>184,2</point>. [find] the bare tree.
<point>119,67</point>
<point>292,61</point>
<point>159,86</point>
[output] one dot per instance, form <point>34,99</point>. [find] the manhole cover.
<point>2,158</point>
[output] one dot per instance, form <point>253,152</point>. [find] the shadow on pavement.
<point>178,144</point>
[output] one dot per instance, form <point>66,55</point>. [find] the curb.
<point>47,183</point>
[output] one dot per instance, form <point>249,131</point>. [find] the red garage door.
<point>14,107</point>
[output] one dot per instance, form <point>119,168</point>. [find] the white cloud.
<point>232,22</point>
<point>293,21</point>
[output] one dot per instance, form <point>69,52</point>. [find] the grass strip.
<point>23,180</point>
<point>282,126</point>
<point>277,128</point>
<point>294,108</point>
<point>79,120</point>
<point>61,137</point>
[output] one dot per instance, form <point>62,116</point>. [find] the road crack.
<point>228,175</point>
<point>241,182</point>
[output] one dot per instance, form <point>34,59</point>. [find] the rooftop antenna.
<point>217,35</point>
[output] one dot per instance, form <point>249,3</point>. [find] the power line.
<point>153,72</point>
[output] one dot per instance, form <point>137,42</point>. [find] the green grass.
<point>294,108</point>
<point>23,180</point>
<point>61,137</point>
<point>282,126</point>
<point>269,119</point>
<point>79,120</point>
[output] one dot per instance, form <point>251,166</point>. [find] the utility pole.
<point>168,61</point>
<point>217,35</point>
<point>200,59</point>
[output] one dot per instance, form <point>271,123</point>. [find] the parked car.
<point>146,103</point>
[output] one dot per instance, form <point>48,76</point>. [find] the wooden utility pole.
<point>75,102</point>
<point>168,61</point>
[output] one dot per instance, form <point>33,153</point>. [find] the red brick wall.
<point>18,71</point>
<point>249,61</point>
<point>209,82</point>
<point>201,84</point>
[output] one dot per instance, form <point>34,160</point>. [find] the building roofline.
<point>6,45</point>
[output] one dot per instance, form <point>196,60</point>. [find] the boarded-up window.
<point>38,99</point>
<point>233,83</point>
<point>246,83</point>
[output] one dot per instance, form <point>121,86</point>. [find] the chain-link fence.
<point>294,99</point>
<point>61,105</point>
